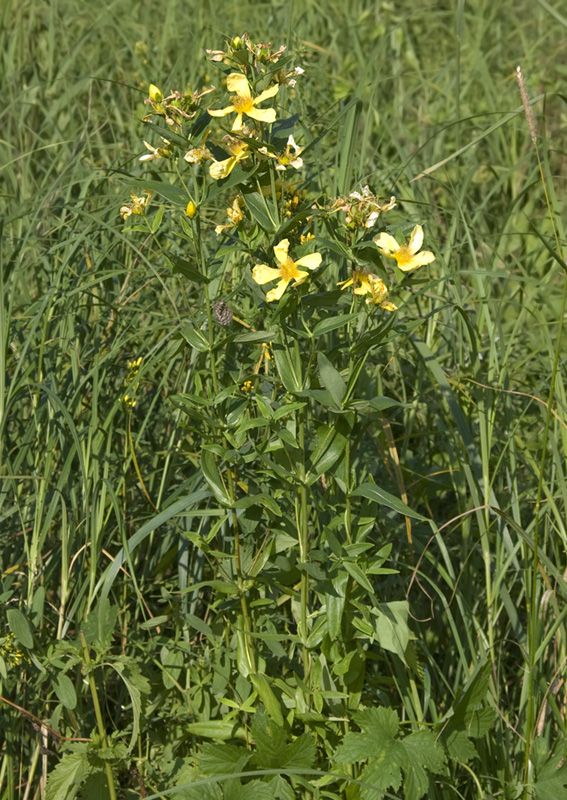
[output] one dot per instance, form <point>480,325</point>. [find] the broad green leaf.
<point>392,630</point>
<point>198,624</point>
<point>331,379</point>
<point>270,739</point>
<point>220,759</point>
<point>551,780</point>
<point>65,779</point>
<point>196,339</point>
<point>182,267</point>
<point>216,729</point>
<point>332,323</point>
<point>256,204</point>
<point>136,684</point>
<point>355,572</point>
<point>372,492</point>
<point>288,368</point>
<point>252,790</point>
<point>95,787</point>
<point>259,499</point>
<point>255,336</point>
<point>335,604</point>
<point>20,627</point>
<point>65,690</point>
<point>155,221</point>
<point>328,447</point>
<point>268,698</point>
<point>213,477</point>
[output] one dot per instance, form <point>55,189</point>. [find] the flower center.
<point>403,256</point>
<point>289,270</point>
<point>242,104</point>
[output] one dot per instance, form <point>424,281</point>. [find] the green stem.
<point>98,715</point>
<point>303,535</point>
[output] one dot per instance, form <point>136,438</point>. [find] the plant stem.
<point>303,535</point>
<point>98,715</point>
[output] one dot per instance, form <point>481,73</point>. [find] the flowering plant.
<point>280,390</point>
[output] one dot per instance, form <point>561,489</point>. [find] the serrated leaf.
<point>20,627</point>
<point>136,684</point>
<point>95,787</point>
<point>270,740</point>
<point>64,781</point>
<point>220,759</point>
<point>551,780</point>
<point>253,790</point>
<point>281,789</point>
<point>300,753</point>
<point>422,755</point>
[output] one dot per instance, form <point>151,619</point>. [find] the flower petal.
<point>237,124</point>
<point>416,239</point>
<point>264,274</point>
<point>275,294</point>
<point>236,82</point>
<point>221,112</point>
<point>280,251</point>
<point>386,244</point>
<point>220,169</point>
<point>310,261</point>
<point>300,276</point>
<point>262,114</point>
<point>269,92</point>
<point>419,260</point>
<point>344,284</point>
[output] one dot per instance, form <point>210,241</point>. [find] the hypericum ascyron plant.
<point>280,414</point>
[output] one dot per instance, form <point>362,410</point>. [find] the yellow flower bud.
<point>191,209</point>
<point>236,42</point>
<point>155,93</point>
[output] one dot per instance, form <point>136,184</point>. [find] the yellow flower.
<point>243,103</point>
<point>137,206</point>
<point>406,255</point>
<point>288,270</point>
<point>191,209</point>
<point>234,214</point>
<point>155,93</point>
<point>369,284</point>
<point>287,158</point>
<point>220,169</point>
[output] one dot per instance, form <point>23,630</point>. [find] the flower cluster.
<point>10,653</point>
<point>264,158</point>
<point>131,382</point>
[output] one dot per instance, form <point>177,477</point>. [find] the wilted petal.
<point>264,274</point>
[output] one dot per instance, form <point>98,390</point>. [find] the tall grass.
<point>94,495</point>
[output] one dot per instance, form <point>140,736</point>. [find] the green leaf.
<point>64,781</point>
<point>422,755</point>
<point>331,379</point>
<point>213,477</point>
<point>270,739</point>
<point>372,492</point>
<point>196,339</point>
<point>268,698</point>
<point>95,786</point>
<point>253,790</point>
<point>551,780</point>
<point>136,684</point>
<point>332,323</point>
<point>65,690</point>
<point>182,267</point>
<point>216,729</point>
<point>391,627</point>
<point>20,627</point>
<point>220,759</point>
<point>259,499</point>
<point>329,445</point>
<point>355,572</point>
<point>258,208</point>
<point>288,369</point>
<point>300,753</point>
<point>155,221</point>
<point>198,624</point>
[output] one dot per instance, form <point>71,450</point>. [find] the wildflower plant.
<point>293,527</point>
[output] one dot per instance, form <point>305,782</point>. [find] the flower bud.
<point>155,94</point>
<point>236,42</point>
<point>191,209</point>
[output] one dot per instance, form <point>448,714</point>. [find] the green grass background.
<point>438,96</point>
